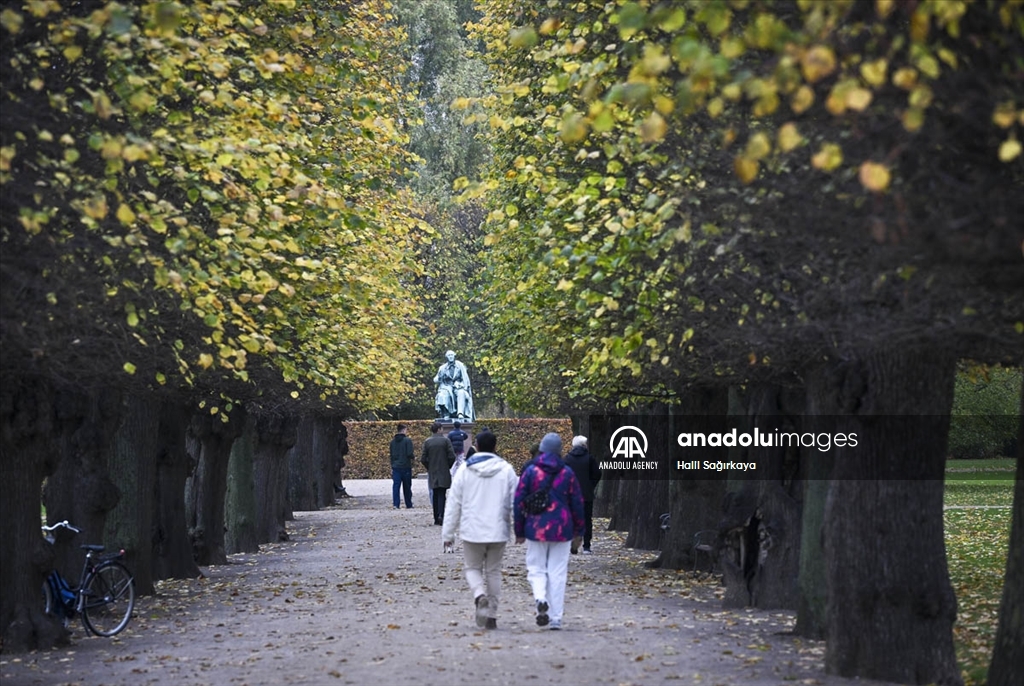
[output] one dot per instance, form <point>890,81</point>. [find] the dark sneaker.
<point>482,604</point>
<point>542,612</point>
<point>492,623</point>
<point>573,549</point>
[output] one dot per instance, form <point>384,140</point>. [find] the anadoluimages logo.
<point>628,445</point>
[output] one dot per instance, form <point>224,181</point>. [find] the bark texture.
<point>28,452</point>
<point>275,437</point>
<point>694,504</point>
<point>132,465</point>
<point>240,512</point>
<point>172,547</point>
<point>303,475</point>
<point>80,489</point>
<point>211,439</point>
<point>891,607</point>
<point>761,522</point>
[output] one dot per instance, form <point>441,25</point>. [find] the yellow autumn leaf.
<point>654,61</point>
<point>905,78</point>
<point>874,176</point>
<point>125,214</point>
<point>1004,116</point>
<point>101,103</point>
<point>758,147</point>
<point>789,137</point>
<point>573,128</point>
<point>884,7</point>
<point>875,72</point>
<point>205,360</point>
<point>858,99</point>
<point>715,107</point>
<point>828,157</point>
<point>913,119</point>
<point>95,207</point>
<point>653,128</point>
<point>72,52</point>
<point>129,367</point>
<point>802,100</point>
<point>11,20</point>
<point>664,105</point>
<point>817,63</point>
<point>746,169</point>
<point>523,37</point>
<point>1009,150</point>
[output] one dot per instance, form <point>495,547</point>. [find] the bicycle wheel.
<point>49,605</point>
<point>109,599</point>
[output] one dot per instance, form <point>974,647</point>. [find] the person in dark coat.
<point>402,455</point>
<point>588,471</point>
<point>438,457</point>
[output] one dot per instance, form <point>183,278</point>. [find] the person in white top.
<point>479,510</point>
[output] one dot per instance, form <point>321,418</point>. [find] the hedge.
<point>368,456</point>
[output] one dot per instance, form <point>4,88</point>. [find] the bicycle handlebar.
<point>62,525</point>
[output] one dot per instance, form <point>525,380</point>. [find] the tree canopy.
<point>202,195</point>
<point>725,190</point>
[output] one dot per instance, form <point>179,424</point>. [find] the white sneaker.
<point>482,605</point>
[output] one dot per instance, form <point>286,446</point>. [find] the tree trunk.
<point>605,496</point>
<point>28,452</point>
<point>812,613</point>
<point>275,437</point>
<point>623,506</point>
<point>761,522</point>
<point>694,504</point>
<point>212,440</point>
<point>80,489</point>
<point>132,463</point>
<point>334,451</point>
<point>891,607</point>
<point>651,502</point>
<point>172,546</point>
<point>302,472</point>
<point>240,511</point>
<point>1007,667</point>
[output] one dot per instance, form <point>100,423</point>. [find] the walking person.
<point>548,509</point>
<point>458,438</point>
<point>479,510</point>
<point>438,457</point>
<point>402,455</point>
<point>588,472</point>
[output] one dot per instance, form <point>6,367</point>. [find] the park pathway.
<point>363,594</point>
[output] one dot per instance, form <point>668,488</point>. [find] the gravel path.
<point>362,594</point>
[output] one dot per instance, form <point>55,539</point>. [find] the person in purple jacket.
<point>550,534</point>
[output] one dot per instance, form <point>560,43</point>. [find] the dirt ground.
<point>363,594</point>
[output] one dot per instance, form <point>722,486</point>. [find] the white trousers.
<point>482,562</point>
<point>547,565</point>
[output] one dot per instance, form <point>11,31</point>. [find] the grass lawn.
<point>976,546</point>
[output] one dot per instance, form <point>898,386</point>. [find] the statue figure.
<point>454,398</point>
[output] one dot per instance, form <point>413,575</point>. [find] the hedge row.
<point>368,442</point>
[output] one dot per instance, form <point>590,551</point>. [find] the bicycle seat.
<point>92,548</point>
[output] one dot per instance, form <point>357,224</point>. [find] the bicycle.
<point>105,595</point>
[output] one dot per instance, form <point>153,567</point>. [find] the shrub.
<point>986,413</point>
<point>368,442</point>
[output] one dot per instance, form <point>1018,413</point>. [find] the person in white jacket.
<point>479,510</point>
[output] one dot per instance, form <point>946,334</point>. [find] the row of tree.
<point>207,234</point>
<point>816,205</point>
